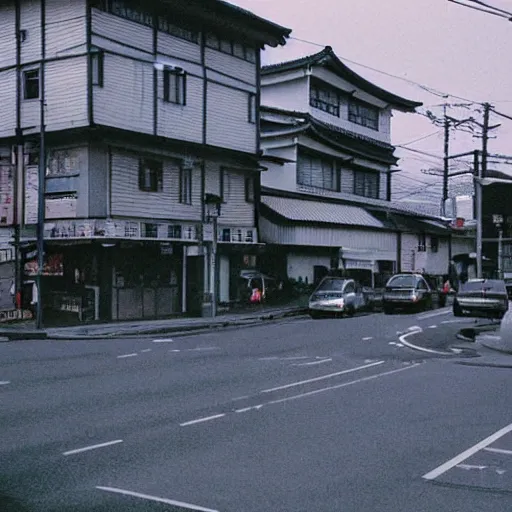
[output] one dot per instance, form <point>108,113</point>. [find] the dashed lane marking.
<point>321,361</point>
<point>434,326</point>
<point>124,356</point>
<point>202,420</point>
<point>92,447</point>
<point>146,350</point>
<point>322,377</point>
<point>4,382</point>
<point>163,340</point>
<point>368,338</point>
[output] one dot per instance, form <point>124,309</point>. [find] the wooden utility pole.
<point>445,160</point>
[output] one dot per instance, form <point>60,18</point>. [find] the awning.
<point>303,210</point>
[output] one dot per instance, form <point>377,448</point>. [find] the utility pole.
<point>445,160</point>
<point>41,174</point>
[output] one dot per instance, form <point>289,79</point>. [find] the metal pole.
<point>41,177</point>
<point>478,214</point>
<point>500,253</point>
<point>445,160</point>
<point>214,268</point>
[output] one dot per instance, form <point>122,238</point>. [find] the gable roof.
<point>328,58</point>
<point>346,140</point>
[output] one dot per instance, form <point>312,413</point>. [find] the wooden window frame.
<point>26,79</point>
<point>365,174</point>
<point>176,94</point>
<point>360,116</point>
<point>154,170</point>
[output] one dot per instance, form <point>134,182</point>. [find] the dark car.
<point>481,297</point>
<point>410,291</point>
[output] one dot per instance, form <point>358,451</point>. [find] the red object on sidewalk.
<point>18,300</point>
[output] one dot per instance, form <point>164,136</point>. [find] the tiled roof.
<point>304,210</point>
<point>328,56</point>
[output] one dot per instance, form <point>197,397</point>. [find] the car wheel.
<point>315,315</point>
<point>351,310</point>
<point>457,310</point>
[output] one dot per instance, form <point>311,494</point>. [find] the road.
<point>299,415</point>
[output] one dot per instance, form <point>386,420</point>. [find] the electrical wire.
<point>426,88</point>
<point>419,138</point>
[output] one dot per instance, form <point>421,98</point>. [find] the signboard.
<point>31,192</point>
<point>6,194</point>
<point>13,315</point>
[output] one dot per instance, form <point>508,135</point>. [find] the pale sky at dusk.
<point>450,48</point>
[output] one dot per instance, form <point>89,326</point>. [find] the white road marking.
<point>322,377</point>
<point>201,420</point>
<point>238,398</point>
<point>434,326</point>
<point>399,345</point>
<point>253,408</point>
<point>421,349</point>
<point>92,447</point>
<point>127,355</point>
<point>499,450</point>
<point>470,466</point>
<point>414,328</point>
<point>456,350</point>
<point>443,311</point>
<point>175,503</point>
<point>338,386</point>
<point>201,349</point>
<point>175,350</point>
<point>146,350</point>
<point>296,358</point>
<point>164,340</point>
<point>4,382</point>
<point>458,321</point>
<point>314,362</point>
<point>368,338</point>
<point>443,468</point>
<point>273,358</point>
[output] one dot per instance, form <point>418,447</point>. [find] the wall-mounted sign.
<point>6,194</point>
<point>31,191</point>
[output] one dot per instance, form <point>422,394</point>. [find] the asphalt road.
<point>371,413</point>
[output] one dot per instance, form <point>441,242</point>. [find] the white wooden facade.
<point>108,97</point>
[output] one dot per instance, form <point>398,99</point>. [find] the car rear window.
<point>403,281</point>
<point>487,284</point>
<point>330,285</point>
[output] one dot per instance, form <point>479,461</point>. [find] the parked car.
<point>337,296</point>
<point>406,291</point>
<point>268,287</point>
<point>481,297</point>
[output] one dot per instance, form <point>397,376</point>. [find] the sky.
<point>449,48</point>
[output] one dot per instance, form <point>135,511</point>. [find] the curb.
<point>496,349</point>
<point>176,330</point>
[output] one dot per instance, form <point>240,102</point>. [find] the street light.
<point>212,204</point>
<point>497,220</point>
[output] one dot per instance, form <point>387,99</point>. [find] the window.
<point>150,175</point>
<point>230,47</point>
<point>434,243</point>
<point>349,288</point>
<point>366,184</point>
<point>186,185</point>
<point>363,114</point>
<point>31,84</point>
<point>175,87</point>
<point>97,59</point>
<point>325,98</point>
<point>422,244</point>
<point>317,171</point>
<point>178,28</point>
<point>249,190</point>
<point>252,108</point>
<point>63,162</point>
<point>174,231</point>
<point>150,230</point>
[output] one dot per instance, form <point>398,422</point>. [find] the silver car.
<point>481,297</point>
<point>336,296</point>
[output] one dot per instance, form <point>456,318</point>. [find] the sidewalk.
<point>247,316</point>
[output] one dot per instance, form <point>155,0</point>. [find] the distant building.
<point>325,201</point>
<point>148,108</point>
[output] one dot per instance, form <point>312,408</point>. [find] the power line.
<point>426,88</point>
<point>418,139</point>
